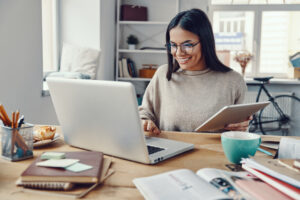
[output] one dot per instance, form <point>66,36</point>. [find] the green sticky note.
<point>52,155</point>
<point>60,163</point>
<point>78,167</point>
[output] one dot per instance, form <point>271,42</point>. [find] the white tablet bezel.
<point>231,114</point>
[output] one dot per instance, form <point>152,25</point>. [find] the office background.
<point>21,60</point>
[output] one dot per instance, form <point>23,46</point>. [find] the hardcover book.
<point>45,174</point>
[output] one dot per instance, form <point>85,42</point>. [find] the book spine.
<point>125,68</point>
<point>131,65</point>
<point>129,69</point>
<point>120,69</point>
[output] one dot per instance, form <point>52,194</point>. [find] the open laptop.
<point>103,116</point>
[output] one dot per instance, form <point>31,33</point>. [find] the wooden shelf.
<point>150,33</point>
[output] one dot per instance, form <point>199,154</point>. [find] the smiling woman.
<point>195,84</point>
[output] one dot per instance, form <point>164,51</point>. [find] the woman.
<point>195,84</point>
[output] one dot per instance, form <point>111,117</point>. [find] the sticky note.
<point>52,155</point>
<point>78,167</point>
<point>62,163</point>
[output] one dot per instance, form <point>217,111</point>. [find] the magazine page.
<point>225,181</point>
<point>177,184</point>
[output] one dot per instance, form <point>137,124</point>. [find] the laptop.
<point>231,114</point>
<point>103,116</point>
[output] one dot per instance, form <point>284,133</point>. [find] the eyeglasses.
<point>186,48</point>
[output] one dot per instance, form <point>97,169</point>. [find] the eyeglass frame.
<point>181,45</point>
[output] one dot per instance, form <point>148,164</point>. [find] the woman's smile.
<point>183,60</point>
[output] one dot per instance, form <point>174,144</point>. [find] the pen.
<point>21,121</point>
<point>264,151</point>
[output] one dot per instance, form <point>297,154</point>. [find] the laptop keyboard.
<point>152,149</point>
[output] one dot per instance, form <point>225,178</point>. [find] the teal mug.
<point>238,145</point>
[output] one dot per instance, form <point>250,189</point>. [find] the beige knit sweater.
<point>190,97</point>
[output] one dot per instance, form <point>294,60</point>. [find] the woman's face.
<point>188,53</point>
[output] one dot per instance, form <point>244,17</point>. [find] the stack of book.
<point>282,175</point>
<point>127,68</point>
<point>51,175</point>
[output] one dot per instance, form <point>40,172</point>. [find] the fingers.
<point>156,131</point>
<point>151,127</point>
<point>243,126</point>
<point>145,124</point>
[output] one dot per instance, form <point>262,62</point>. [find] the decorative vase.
<point>243,57</point>
<point>131,46</point>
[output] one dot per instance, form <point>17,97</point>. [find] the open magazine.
<point>207,183</point>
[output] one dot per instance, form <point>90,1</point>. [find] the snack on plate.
<point>43,133</point>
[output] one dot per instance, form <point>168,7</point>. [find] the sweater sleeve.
<point>150,102</point>
<point>241,91</point>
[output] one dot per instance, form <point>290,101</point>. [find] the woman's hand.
<point>150,127</point>
<point>242,126</point>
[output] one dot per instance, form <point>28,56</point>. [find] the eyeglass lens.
<point>185,47</point>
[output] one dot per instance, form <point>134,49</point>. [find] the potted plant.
<point>132,41</point>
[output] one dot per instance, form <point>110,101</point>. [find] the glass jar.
<point>17,143</point>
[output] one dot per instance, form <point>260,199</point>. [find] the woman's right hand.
<point>150,126</point>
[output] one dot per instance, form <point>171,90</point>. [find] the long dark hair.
<point>197,22</point>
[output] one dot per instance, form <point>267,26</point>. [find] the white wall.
<point>90,24</point>
<point>21,61</point>
<point>80,22</point>
<point>107,39</point>
<point>21,51</point>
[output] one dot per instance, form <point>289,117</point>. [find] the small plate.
<point>46,142</point>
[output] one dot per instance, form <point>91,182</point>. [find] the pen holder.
<point>17,143</point>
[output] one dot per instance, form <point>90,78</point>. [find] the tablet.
<point>231,114</point>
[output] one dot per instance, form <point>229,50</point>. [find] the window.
<point>267,29</point>
<point>49,34</point>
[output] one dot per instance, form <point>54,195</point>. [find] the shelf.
<point>144,22</point>
<point>142,51</point>
<point>151,33</point>
<point>134,79</point>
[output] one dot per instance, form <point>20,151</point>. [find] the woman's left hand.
<point>242,126</point>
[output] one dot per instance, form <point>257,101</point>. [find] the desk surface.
<point>207,153</point>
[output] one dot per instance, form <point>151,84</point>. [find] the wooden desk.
<point>207,153</point>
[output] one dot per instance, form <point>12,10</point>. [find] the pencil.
<point>264,151</point>
<point>4,114</point>
<point>13,138</point>
<point>3,120</point>
<point>17,118</point>
<point>17,137</point>
<point>13,120</point>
